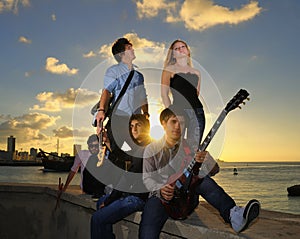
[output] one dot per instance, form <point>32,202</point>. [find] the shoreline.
<point>21,163</point>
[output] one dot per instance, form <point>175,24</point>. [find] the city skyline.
<point>49,51</point>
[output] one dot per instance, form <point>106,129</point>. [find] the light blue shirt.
<point>135,95</point>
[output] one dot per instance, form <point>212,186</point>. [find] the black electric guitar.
<point>181,204</point>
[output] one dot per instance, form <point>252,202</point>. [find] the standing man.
<point>166,157</point>
<point>134,101</point>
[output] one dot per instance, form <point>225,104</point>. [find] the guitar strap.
<point>122,91</point>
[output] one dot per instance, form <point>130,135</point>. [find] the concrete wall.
<point>27,212</point>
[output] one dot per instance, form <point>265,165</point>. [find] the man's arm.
<point>69,179</point>
<point>153,180</point>
<point>103,106</point>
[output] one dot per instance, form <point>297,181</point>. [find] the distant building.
<point>23,155</point>
<point>4,155</point>
<point>76,149</point>
<point>33,153</point>
<point>11,146</point>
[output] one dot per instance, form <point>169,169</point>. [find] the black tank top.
<point>184,86</point>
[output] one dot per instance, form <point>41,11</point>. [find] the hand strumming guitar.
<point>167,192</point>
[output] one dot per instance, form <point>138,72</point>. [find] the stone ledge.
<point>203,223</point>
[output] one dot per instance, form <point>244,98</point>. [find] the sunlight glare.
<point>156,131</point>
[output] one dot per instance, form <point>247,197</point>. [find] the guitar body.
<point>184,201</point>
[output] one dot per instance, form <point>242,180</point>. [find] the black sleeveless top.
<point>184,90</point>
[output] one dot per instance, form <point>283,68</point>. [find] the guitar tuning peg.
<point>243,103</point>
<point>248,98</point>
<point>240,107</point>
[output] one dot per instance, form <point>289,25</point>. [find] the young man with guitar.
<point>172,192</point>
<point>123,94</point>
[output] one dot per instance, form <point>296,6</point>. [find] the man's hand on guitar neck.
<point>211,165</point>
<point>167,192</point>
<point>100,118</point>
<point>201,156</point>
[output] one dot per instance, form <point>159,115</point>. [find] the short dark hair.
<point>119,47</point>
<point>145,122</point>
<point>171,111</point>
<point>92,138</point>
<point>141,118</point>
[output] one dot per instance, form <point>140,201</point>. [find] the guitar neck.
<point>213,131</point>
<point>209,137</point>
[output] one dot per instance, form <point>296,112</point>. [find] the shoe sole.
<point>251,212</point>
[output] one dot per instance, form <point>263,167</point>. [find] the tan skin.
<point>181,54</point>
<point>172,128</point>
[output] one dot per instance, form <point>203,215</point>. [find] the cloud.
<point>52,66</point>
<point>149,9</point>
<point>25,40</point>
<point>13,5</point>
<point>53,17</point>
<point>68,132</point>
<point>56,101</point>
<point>5,117</point>
<point>145,50</point>
<point>63,132</point>
<point>199,15</point>
<point>26,127</point>
<point>28,73</point>
<point>89,55</point>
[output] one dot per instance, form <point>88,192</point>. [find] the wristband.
<point>101,110</point>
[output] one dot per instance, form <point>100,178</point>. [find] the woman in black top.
<point>183,82</point>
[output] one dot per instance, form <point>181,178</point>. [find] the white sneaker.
<point>241,217</point>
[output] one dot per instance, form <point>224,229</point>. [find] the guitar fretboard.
<point>209,137</point>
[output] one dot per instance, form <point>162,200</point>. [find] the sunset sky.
<point>54,53</point>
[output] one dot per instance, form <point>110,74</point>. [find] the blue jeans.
<point>103,219</point>
<point>154,215</point>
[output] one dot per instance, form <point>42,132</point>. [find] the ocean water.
<point>266,182</point>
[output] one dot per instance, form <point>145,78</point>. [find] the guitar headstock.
<point>237,100</point>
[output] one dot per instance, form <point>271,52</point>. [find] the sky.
<point>53,55</point>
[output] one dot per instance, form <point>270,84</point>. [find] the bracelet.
<point>101,110</point>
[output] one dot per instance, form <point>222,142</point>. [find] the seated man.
<point>165,157</point>
<point>119,204</point>
<point>84,160</point>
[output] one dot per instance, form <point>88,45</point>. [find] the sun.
<point>156,131</point>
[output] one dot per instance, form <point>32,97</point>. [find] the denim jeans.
<point>154,215</point>
<point>103,219</point>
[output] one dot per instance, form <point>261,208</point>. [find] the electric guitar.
<point>181,205</point>
<point>102,147</point>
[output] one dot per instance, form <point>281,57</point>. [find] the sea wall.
<point>28,211</point>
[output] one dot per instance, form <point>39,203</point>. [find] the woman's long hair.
<point>170,59</point>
